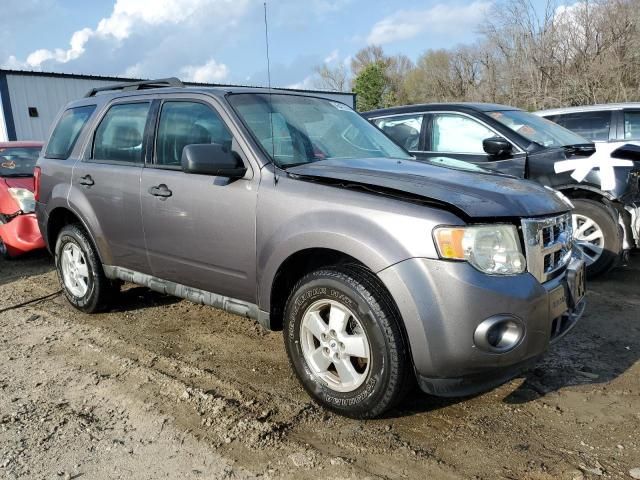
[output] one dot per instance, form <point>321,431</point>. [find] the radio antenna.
<point>273,140</point>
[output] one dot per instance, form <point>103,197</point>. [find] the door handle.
<point>160,191</point>
<point>87,181</point>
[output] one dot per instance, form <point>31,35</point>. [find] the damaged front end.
<point>627,196</point>
<point>19,232</point>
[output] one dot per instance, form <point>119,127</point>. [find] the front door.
<point>199,229</point>
<point>108,178</point>
<point>460,136</point>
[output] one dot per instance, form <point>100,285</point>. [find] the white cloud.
<point>210,72</point>
<point>332,57</point>
<point>143,20</point>
<point>306,83</point>
<point>440,19</point>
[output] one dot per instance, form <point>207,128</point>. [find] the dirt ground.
<point>163,388</point>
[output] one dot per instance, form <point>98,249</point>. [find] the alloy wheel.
<point>75,272</point>
<point>588,237</point>
<point>335,345</point>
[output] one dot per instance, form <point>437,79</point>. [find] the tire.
<point>4,252</point>
<point>597,235</point>
<point>89,290</point>
<point>380,373</point>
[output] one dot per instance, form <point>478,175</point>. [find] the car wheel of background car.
<point>344,342</point>
<point>596,234</point>
<point>80,271</point>
<point>4,253</point>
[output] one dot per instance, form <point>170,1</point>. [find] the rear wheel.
<point>596,235</point>
<point>345,344</point>
<point>80,271</point>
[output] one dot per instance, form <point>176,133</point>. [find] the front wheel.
<point>4,251</point>
<point>596,235</point>
<point>344,342</point>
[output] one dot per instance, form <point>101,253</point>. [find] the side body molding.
<point>195,295</point>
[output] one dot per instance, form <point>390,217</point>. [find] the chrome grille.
<point>548,243</point>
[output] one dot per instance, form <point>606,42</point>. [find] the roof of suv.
<point>461,106</point>
<point>219,91</point>
<point>588,108</point>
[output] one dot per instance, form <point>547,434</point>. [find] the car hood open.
<point>477,194</point>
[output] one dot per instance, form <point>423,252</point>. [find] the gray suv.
<point>295,211</point>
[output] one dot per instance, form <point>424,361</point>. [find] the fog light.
<point>499,334</point>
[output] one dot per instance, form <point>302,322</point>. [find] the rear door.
<point>199,229</point>
<point>460,136</point>
<point>108,178</point>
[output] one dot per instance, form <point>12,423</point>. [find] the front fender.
<point>376,230</point>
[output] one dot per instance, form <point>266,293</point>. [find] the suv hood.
<point>477,194</point>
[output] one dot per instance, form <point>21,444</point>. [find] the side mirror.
<point>212,159</point>
<point>628,151</point>
<point>497,146</point>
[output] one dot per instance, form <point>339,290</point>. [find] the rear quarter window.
<point>632,125</point>
<point>67,131</point>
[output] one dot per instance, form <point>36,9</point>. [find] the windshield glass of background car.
<point>18,161</point>
<point>536,129</point>
<point>308,129</point>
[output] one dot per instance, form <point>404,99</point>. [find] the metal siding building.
<point>21,92</point>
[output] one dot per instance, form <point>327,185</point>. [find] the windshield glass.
<point>295,130</point>
<point>18,161</point>
<point>536,129</point>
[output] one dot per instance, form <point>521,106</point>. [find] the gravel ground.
<point>163,388</point>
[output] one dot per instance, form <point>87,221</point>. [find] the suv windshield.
<point>18,161</point>
<point>536,129</point>
<point>295,130</point>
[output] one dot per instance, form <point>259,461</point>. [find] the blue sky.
<point>223,40</point>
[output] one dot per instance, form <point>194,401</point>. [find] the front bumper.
<point>21,235</point>
<point>442,303</point>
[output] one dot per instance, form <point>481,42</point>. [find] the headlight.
<point>24,198</point>
<point>493,249</point>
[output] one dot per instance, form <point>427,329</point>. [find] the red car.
<point>19,231</point>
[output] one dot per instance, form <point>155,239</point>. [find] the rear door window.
<point>67,131</point>
<point>185,123</point>
<point>404,129</point>
<point>632,125</point>
<point>593,126</point>
<point>119,137</point>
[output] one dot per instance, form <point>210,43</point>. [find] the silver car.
<point>611,127</point>
<point>295,211</point>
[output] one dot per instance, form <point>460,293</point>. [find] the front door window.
<point>452,133</point>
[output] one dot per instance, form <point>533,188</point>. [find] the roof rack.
<point>162,82</point>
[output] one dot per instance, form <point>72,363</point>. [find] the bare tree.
<point>335,78</point>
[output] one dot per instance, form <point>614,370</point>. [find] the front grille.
<point>548,242</point>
